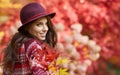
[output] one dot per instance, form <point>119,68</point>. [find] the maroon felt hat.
<point>31,12</point>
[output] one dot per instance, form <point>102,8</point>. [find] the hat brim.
<point>51,15</point>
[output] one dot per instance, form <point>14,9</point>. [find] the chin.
<point>42,39</point>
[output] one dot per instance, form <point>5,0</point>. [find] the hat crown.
<point>30,10</point>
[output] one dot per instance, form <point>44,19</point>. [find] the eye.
<point>39,24</point>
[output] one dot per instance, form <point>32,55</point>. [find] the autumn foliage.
<point>100,20</point>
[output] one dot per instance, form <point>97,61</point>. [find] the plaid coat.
<point>31,60</point>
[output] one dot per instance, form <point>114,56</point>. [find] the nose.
<point>45,28</point>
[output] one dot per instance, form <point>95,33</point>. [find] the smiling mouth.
<point>42,34</point>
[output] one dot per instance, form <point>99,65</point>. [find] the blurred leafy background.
<point>100,20</point>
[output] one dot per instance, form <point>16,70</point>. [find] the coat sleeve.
<point>36,57</point>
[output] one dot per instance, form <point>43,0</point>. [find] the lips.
<point>43,34</point>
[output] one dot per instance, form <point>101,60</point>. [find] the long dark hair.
<point>9,52</point>
<point>22,36</point>
<point>51,37</point>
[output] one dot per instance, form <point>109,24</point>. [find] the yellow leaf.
<point>2,34</point>
<point>5,1</point>
<point>62,61</point>
<point>63,72</point>
<point>52,67</point>
<point>9,4</point>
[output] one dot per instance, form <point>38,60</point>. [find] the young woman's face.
<point>39,28</point>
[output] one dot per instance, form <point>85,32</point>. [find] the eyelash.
<point>39,24</point>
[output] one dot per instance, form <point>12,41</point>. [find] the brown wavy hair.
<point>22,36</point>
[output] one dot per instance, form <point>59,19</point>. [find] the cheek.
<point>47,28</point>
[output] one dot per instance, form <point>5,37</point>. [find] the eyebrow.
<point>40,22</point>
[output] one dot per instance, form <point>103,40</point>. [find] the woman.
<point>27,53</point>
